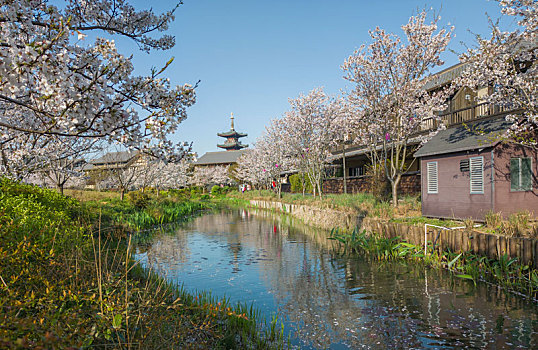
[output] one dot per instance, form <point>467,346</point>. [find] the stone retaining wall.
<point>484,244</point>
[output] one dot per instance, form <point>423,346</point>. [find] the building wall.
<point>454,199</point>
<point>506,201</point>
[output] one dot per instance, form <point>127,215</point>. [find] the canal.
<point>328,301</point>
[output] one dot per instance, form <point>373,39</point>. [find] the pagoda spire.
<point>232,142</point>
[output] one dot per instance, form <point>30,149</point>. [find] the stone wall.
<point>409,185</point>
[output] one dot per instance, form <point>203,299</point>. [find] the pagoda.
<point>232,142</point>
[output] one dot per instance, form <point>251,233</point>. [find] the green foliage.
<point>138,199</point>
<point>220,191</point>
<point>296,182</point>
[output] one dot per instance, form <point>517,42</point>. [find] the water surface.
<point>330,301</point>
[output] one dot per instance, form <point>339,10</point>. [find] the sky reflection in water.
<point>328,301</point>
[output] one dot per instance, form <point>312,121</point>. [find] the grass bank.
<point>67,280</point>
<point>363,204</point>
<point>505,272</point>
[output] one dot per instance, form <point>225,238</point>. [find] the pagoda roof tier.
<point>232,145</point>
<point>231,133</point>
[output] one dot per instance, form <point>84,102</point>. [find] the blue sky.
<point>251,55</point>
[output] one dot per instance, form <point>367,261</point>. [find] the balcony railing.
<point>478,111</point>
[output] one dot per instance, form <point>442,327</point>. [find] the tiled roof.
<point>115,157</point>
<point>465,137</point>
<point>223,157</point>
<point>231,133</point>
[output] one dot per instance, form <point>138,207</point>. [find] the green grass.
<point>421,220</point>
<point>68,281</point>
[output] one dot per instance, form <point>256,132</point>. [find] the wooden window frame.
<point>520,186</point>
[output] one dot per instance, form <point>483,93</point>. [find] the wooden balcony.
<point>462,115</point>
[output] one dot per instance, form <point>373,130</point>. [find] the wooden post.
<point>535,254</point>
<point>457,241</point>
<point>513,247</point>
<point>527,251</point>
<point>502,245</point>
<point>474,243</point>
<point>464,241</point>
<point>482,244</point>
<point>492,246</point>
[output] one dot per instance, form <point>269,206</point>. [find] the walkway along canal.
<point>329,301</point>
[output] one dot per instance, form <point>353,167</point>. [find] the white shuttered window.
<point>476,165</point>
<point>433,179</point>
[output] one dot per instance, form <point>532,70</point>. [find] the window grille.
<point>433,179</point>
<point>358,171</point>
<point>476,165</point>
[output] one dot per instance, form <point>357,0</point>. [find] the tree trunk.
<point>122,193</point>
<point>395,184</point>
<point>61,188</point>
<point>344,167</point>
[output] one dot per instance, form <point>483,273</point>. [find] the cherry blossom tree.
<point>250,168</point>
<point>55,83</point>
<point>123,178</point>
<point>507,63</point>
<point>390,75</point>
<point>273,154</point>
<point>174,174</point>
<point>220,175</point>
<point>309,132</point>
<point>203,176</point>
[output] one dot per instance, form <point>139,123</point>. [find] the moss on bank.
<point>67,280</point>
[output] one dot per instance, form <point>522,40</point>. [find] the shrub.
<point>493,220</point>
<point>138,199</point>
<point>216,190</point>
<point>296,182</point>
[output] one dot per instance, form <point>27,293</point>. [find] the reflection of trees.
<point>357,302</point>
<point>168,250</point>
<point>391,304</point>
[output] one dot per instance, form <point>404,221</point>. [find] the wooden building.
<point>461,108</point>
<point>469,170</point>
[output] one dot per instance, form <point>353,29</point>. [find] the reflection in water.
<point>329,301</point>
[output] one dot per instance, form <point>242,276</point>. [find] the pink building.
<point>468,170</point>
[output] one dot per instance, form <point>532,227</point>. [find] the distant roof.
<point>465,137</point>
<point>234,145</point>
<point>223,157</point>
<point>353,150</point>
<point>115,157</point>
<point>231,133</point>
